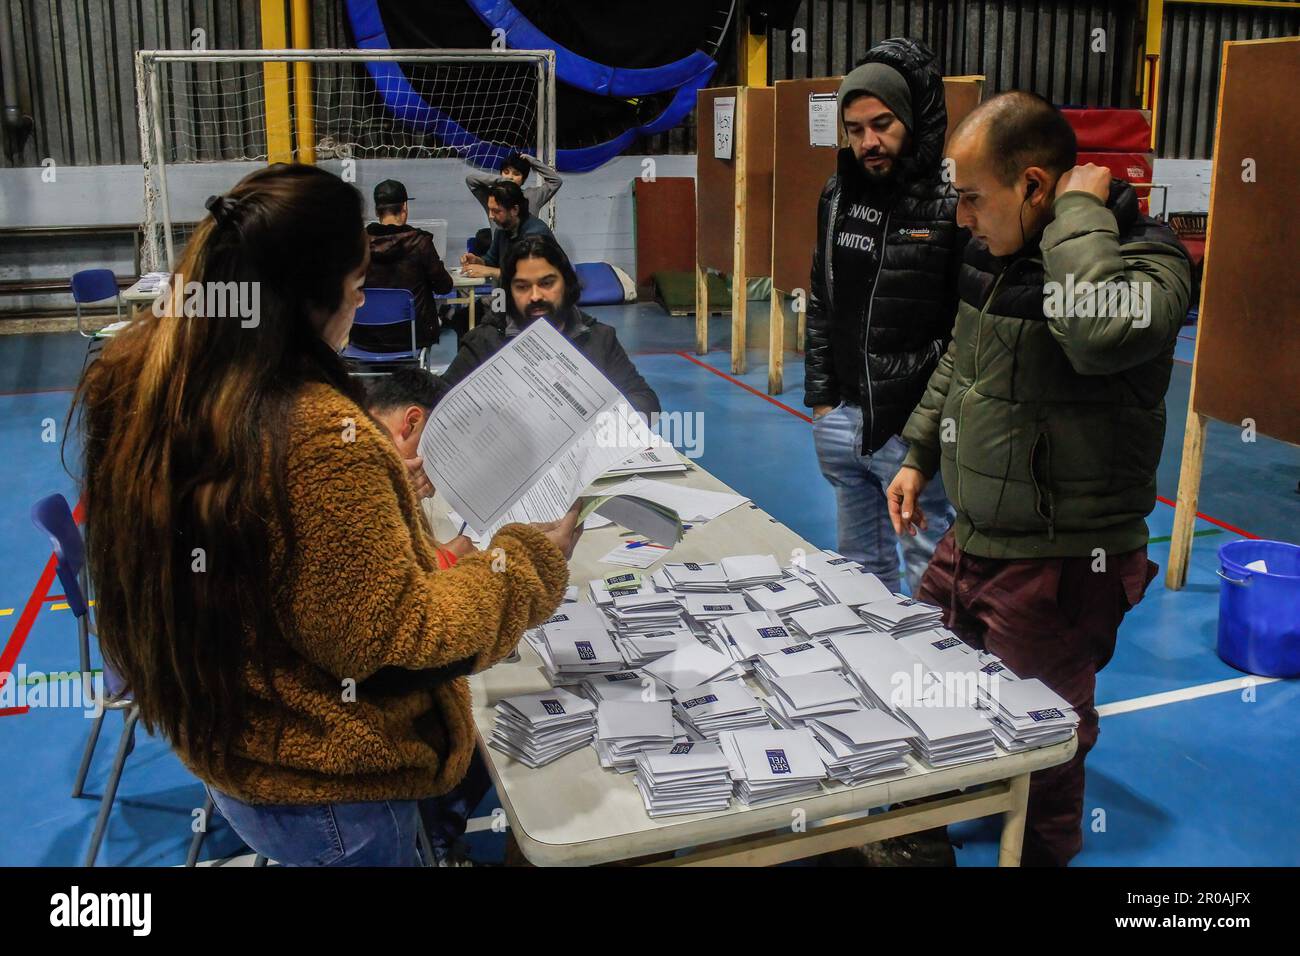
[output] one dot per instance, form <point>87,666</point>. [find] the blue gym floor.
<point>1206,780</point>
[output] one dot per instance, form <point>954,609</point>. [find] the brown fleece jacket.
<point>368,604</point>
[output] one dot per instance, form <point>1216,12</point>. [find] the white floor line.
<point>1185,693</point>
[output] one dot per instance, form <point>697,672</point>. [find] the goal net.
<point>426,118</point>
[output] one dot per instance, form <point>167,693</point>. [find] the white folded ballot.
<point>746,570</point>
<point>712,708</point>
<point>571,652</point>
<point>626,727</point>
<point>1028,713</point>
<point>748,636</point>
<point>784,597</point>
<point>692,665</point>
<point>691,777</point>
<point>950,735</point>
<point>818,563</point>
<point>641,648</point>
<point>805,658</point>
<point>709,607</point>
<point>538,728</point>
<point>638,613</point>
<point>690,576</point>
<point>624,685</point>
<point>862,745</point>
<point>899,616</point>
<point>823,622</point>
<point>625,583</point>
<point>770,765</point>
<point>854,588</point>
<point>887,673</point>
<point>657,458</point>
<point>801,697</point>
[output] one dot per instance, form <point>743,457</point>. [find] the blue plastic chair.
<point>53,516</point>
<point>94,285</point>
<point>385,307</point>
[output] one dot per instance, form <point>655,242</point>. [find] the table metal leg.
<point>473,305</point>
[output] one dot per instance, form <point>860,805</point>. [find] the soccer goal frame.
<point>158,246</point>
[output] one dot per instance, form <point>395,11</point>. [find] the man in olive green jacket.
<point>1047,418</point>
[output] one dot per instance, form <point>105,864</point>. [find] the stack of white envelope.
<point>770,765</point>
<point>572,652</point>
<point>538,728</point>
<point>691,576</point>
<point>691,665</point>
<point>820,623</point>
<point>691,777</point>
<point>816,563</point>
<point>805,658</point>
<point>624,685</point>
<point>863,744</point>
<point>899,615</point>
<point>712,708</point>
<point>569,613</point>
<point>1028,713</point>
<point>854,588</point>
<point>640,649</point>
<point>624,728</point>
<point>746,636</point>
<point>703,608</point>
<point>603,594</point>
<point>801,697</point>
<point>950,734</point>
<point>639,613</point>
<point>784,597</point>
<point>746,570</point>
<point>887,673</point>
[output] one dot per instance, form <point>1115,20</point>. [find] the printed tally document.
<point>526,432</point>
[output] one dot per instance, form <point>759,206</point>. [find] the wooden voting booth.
<point>733,205</point>
<point>1249,337</point>
<point>745,232</point>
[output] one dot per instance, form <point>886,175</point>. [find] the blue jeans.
<point>370,833</point>
<point>865,532</point>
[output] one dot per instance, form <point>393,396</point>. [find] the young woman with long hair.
<point>264,581</point>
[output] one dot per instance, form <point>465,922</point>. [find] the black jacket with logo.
<point>908,316</point>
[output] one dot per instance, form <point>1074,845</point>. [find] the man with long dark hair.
<point>541,283</point>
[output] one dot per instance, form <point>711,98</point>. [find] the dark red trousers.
<point>1051,618</point>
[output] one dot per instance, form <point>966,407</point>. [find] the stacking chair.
<point>94,285</point>
<point>385,307</point>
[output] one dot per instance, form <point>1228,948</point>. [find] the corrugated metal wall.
<point>1193,47</point>
<point>76,69</point>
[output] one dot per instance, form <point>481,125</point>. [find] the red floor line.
<point>18,637</point>
<point>748,388</point>
<point>1216,521</point>
<point>1163,500</point>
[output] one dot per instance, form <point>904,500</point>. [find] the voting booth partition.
<point>1243,370</point>
<point>744,232</point>
<point>733,201</point>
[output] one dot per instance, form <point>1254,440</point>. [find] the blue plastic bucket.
<point>1259,612</point>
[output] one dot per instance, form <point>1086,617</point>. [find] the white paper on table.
<point>691,504</point>
<point>659,457</point>
<point>522,435</point>
<point>724,126</point>
<point>823,119</point>
<point>641,557</point>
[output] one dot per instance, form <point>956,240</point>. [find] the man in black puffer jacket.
<point>883,297</point>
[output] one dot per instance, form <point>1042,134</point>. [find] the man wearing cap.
<point>402,257</point>
<point>883,297</point>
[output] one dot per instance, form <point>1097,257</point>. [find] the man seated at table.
<point>401,402</point>
<point>402,257</point>
<point>540,282</point>
<point>508,209</point>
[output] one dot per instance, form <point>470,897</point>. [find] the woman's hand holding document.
<point>527,431</point>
